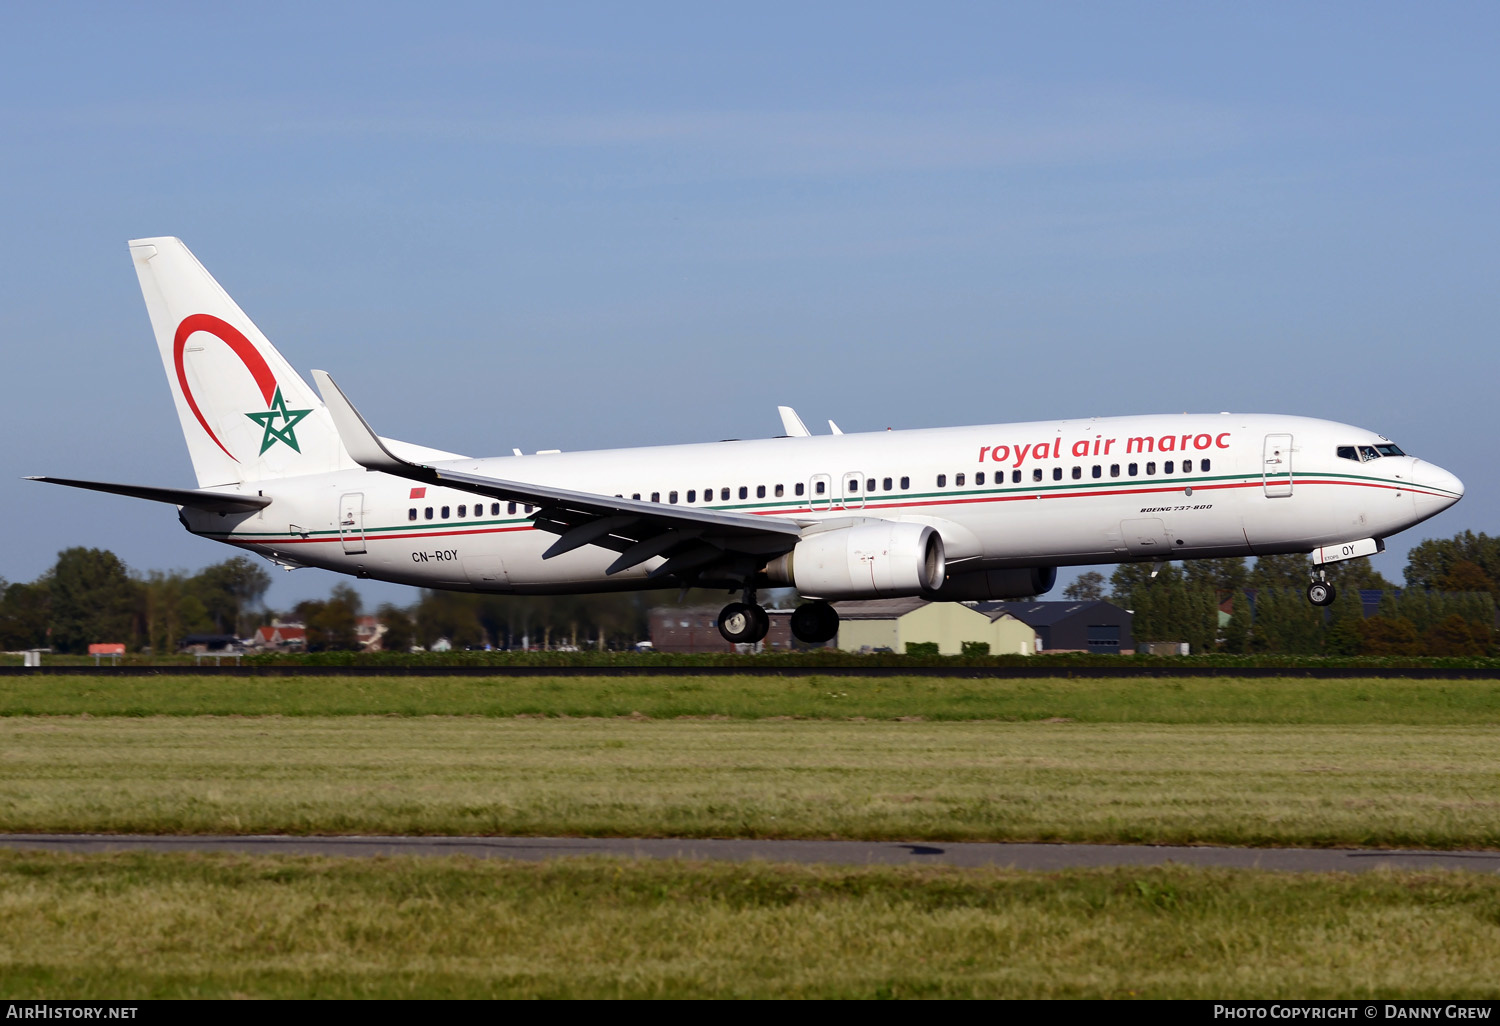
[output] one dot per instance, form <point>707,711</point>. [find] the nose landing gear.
<point>1320,592</point>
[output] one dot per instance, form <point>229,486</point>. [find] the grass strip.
<point>139,926</point>
<point>1431,787</point>
<point>1158,700</point>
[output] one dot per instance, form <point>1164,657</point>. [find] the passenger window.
<point>1187,466</point>
<point>1114,470</point>
<point>1015,477</point>
<point>780,491</point>
<point>942,481</point>
<point>870,485</point>
<point>798,488</point>
<point>494,509</point>
<point>1057,473</point>
<point>1151,468</point>
<point>1077,473</point>
<point>958,479</point>
<point>411,514</point>
<point>692,495</point>
<point>635,495</point>
<point>820,489</point>
<point>760,491</point>
<point>656,496</point>
<point>526,508</point>
<point>723,494</point>
<point>1203,466</point>
<point>463,511</point>
<point>853,485</point>
<point>1097,472</point>
<point>885,485</point>
<point>905,483</point>
<point>445,512</point>
<point>427,513</point>
<point>979,478</point>
<point>1166,468</point>
<point>511,508</point>
<point>1036,474</point>
<point>1133,469</point>
<point>672,498</point>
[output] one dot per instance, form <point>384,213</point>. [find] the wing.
<point>693,541</point>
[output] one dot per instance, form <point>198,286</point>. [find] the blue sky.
<point>584,225</point>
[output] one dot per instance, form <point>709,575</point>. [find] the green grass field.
<point>1265,762</point>
<point>980,780</point>
<point>135,926</point>
<point>1291,700</point>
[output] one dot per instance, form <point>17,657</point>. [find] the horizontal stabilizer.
<point>209,502</point>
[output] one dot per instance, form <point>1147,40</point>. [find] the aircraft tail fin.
<point>246,414</point>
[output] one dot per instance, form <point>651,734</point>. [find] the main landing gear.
<point>745,622</point>
<point>815,622</point>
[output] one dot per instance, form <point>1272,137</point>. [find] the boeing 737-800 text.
<point>963,513</point>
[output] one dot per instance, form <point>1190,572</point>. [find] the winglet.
<point>791,423</point>
<point>361,442</point>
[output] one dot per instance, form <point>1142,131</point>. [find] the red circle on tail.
<point>236,341</point>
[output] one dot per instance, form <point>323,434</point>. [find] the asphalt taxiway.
<point>960,853</point>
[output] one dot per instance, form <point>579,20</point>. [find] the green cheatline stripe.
<point>1025,488</point>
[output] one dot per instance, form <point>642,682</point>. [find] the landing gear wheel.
<point>815,623</point>
<point>1320,593</point>
<point>743,624</point>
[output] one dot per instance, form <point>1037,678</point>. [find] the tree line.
<point>1447,607</point>
<point>90,595</point>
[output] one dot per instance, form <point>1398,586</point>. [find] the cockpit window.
<point>1366,453</point>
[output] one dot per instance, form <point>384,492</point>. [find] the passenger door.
<point>1277,473</point>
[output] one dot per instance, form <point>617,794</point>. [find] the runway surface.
<point>966,853</point>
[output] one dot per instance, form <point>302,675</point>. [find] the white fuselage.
<point>1004,495</point>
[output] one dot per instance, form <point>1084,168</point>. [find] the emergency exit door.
<point>352,523</point>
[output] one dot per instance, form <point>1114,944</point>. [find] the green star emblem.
<point>267,420</point>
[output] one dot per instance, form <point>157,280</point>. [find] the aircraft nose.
<point>1436,489</point>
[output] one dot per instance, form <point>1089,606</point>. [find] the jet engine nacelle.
<point>982,585</point>
<point>884,559</point>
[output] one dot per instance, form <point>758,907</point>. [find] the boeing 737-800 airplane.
<point>985,512</point>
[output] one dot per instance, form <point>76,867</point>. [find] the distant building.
<point>210,644</point>
<point>1092,626</point>
<point>368,632</point>
<point>882,625</point>
<point>280,637</point>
